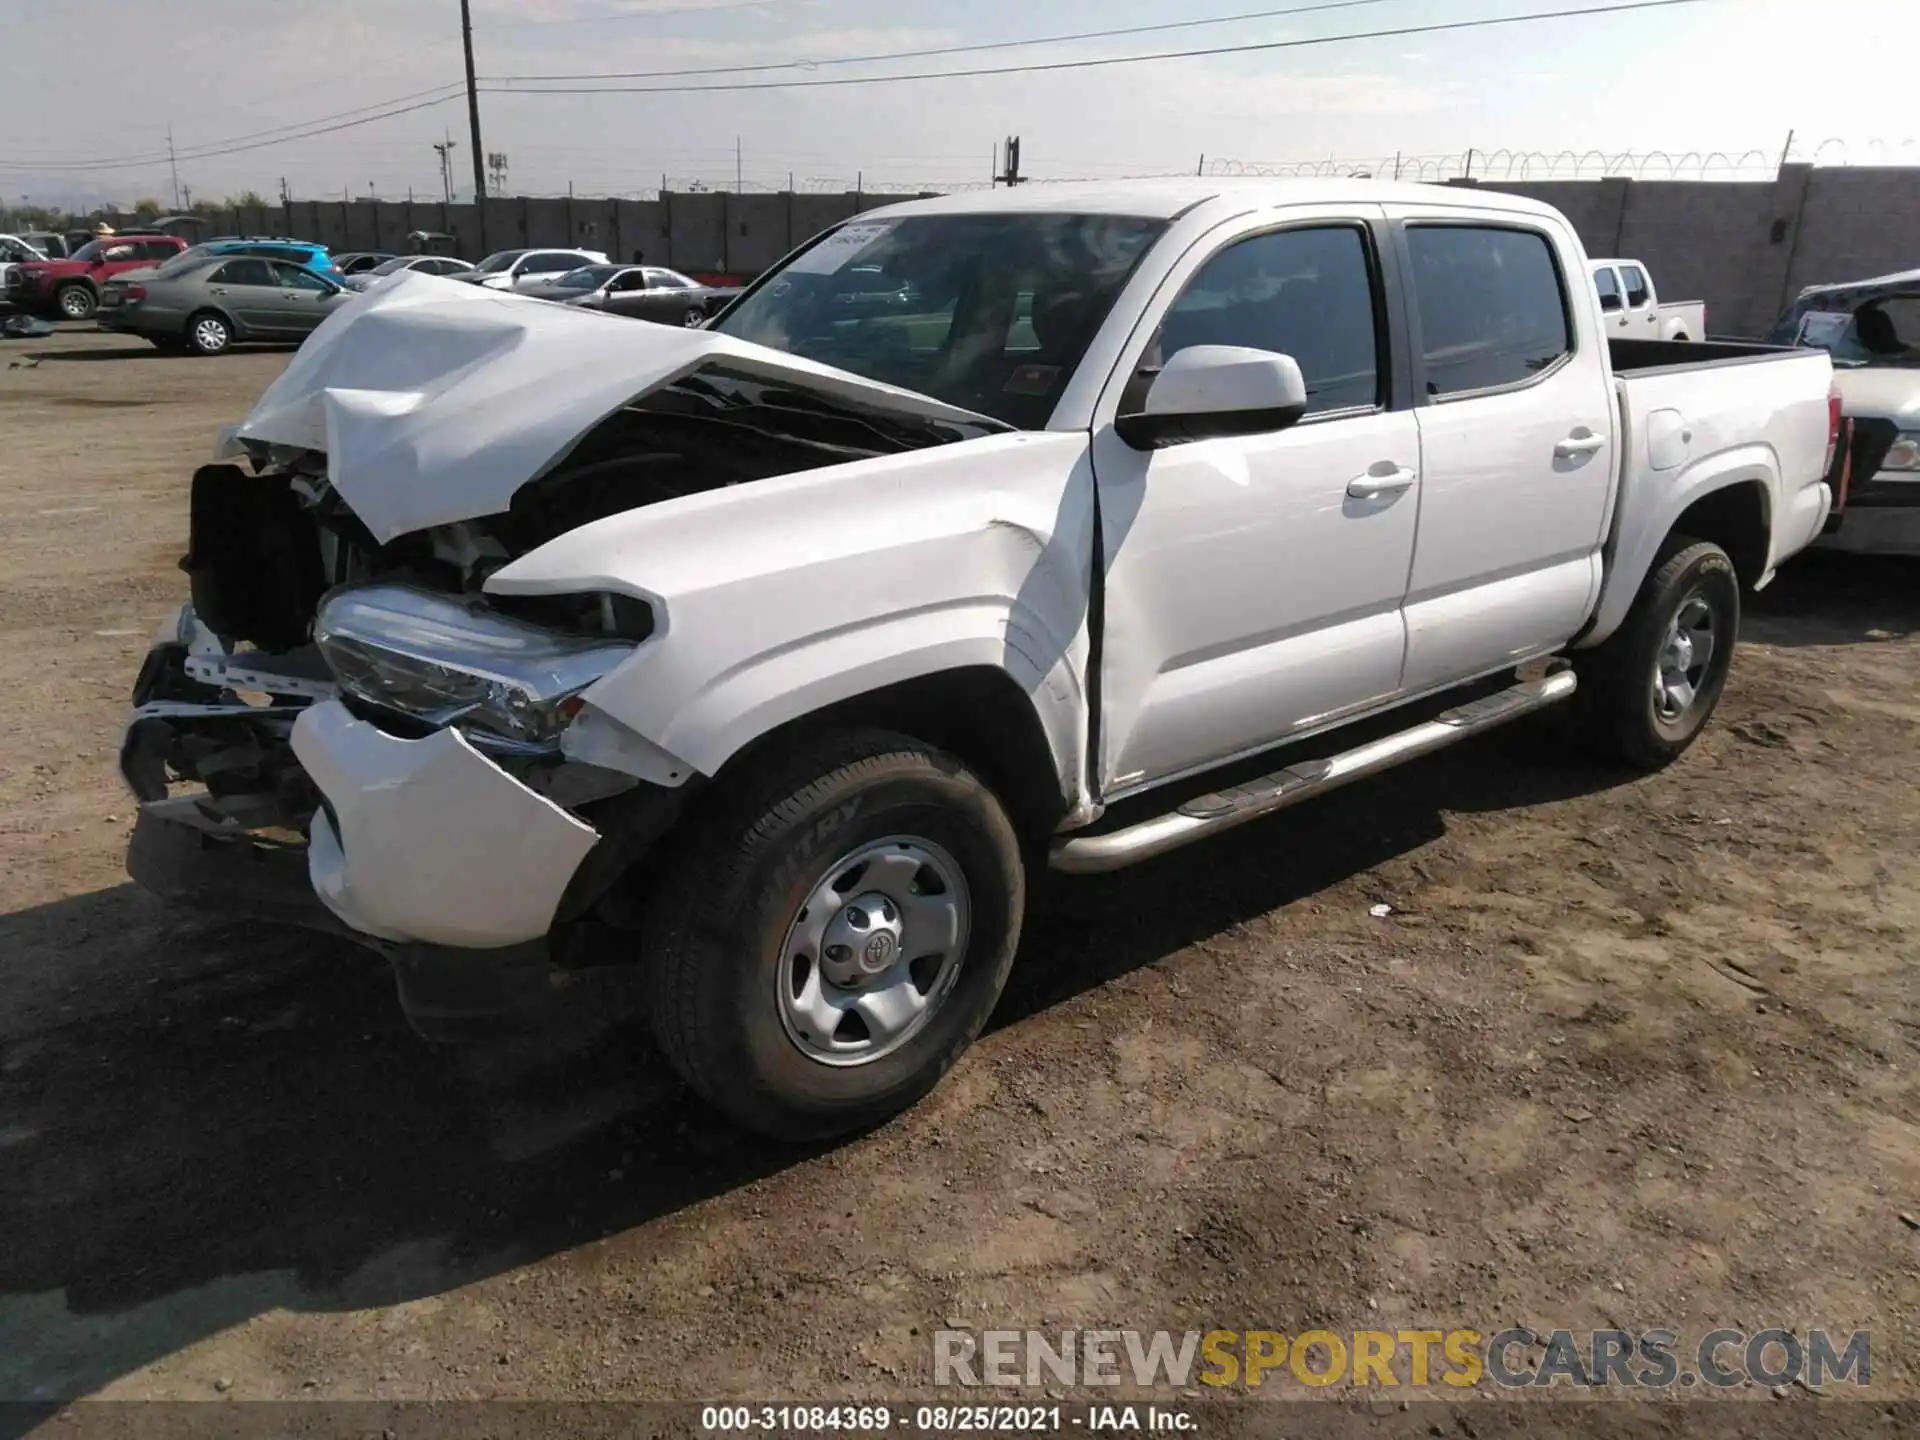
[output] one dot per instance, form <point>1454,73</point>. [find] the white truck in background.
<point>1054,526</point>
<point>1632,307</point>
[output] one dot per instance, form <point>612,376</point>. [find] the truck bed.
<point>1639,357</point>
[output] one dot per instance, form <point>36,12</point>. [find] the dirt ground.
<point>1634,1051</point>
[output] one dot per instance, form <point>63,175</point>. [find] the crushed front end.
<point>348,736</point>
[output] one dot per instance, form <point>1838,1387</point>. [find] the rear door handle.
<point>1581,442</point>
<point>1385,478</point>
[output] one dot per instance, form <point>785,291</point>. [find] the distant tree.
<point>147,208</point>
<point>245,200</point>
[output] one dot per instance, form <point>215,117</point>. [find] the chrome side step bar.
<point>1222,810</point>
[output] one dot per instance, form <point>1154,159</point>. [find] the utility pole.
<point>1785,151</point>
<point>171,165</point>
<point>444,148</point>
<point>1012,175</point>
<point>736,164</point>
<point>473,107</point>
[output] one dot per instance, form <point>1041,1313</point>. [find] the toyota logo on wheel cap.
<point>878,952</point>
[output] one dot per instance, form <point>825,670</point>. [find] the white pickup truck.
<point>1633,310</point>
<point>770,657</point>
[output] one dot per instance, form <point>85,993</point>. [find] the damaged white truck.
<point>1053,526</point>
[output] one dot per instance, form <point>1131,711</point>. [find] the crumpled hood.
<point>434,401</point>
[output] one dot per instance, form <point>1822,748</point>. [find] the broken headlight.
<point>446,663</point>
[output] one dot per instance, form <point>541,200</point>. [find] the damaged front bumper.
<point>262,795</point>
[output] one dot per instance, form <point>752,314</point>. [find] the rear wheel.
<point>694,318</point>
<point>76,302</point>
<point>837,935</point>
<point>1649,690</point>
<point>208,333</point>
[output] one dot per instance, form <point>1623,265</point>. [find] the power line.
<point>1398,31</point>
<point>957,49</point>
<point>234,149</point>
<point>206,148</point>
<point>653,14</point>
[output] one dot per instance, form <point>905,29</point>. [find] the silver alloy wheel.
<point>874,951</point>
<point>75,302</point>
<point>693,319</point>
<point>1686,653</point>
<point>210,334</point>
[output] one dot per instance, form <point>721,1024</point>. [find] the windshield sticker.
<point>838,250</point>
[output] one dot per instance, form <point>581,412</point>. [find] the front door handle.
<point>1582,442</point>
<point>1385,478</point>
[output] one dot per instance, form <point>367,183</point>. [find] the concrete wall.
<point>712,232</point>
<point>1746,248</point>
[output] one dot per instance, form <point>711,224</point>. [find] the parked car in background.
<point>769,656</point>
<point>70,288</point>
<point>1871,328</point>
<point>517,269</point>
<point>415,264</point>
<point>431,242</point>
<point>644,292</point>
<point>50,243</point>
<point>357,262</point>
<point>1634,310</point>
<point>315,257</point>
<point>208,303</point>
<point>14,249</point>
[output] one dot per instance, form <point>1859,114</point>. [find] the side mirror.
<point>1206,391</point>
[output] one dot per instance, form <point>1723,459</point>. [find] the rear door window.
<point>246,271</point>
<point>1492,306</point>
<point>1638,291</point>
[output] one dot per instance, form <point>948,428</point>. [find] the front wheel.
<point>837,935</point>
<point>76,302</point>
<point>1647,691</point>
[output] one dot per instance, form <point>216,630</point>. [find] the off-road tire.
<point>1617,696</point>
<point>719,919</point>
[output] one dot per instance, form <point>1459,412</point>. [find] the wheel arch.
<point>1728,499</point>
<point>978,713</point>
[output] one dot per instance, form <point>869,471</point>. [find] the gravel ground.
<point>1626,1050</point>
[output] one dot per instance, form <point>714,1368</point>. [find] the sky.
<point>89,88</point>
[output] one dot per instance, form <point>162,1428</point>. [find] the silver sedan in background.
<point>208,303</point>
<point>420,264</point>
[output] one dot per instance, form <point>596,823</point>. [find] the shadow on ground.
<point>1825,597</point>
<point>200,1122</point>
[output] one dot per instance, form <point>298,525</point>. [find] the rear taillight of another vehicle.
<point>135,292</point>
<point>1839,467</point>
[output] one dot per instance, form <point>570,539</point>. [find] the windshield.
<point>494,264</point>
<point>1879,332</point>
<point>587,277</point>
<point>88,251</point>
<point>988,312</point>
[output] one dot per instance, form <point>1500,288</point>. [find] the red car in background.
<point>70,288</point>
